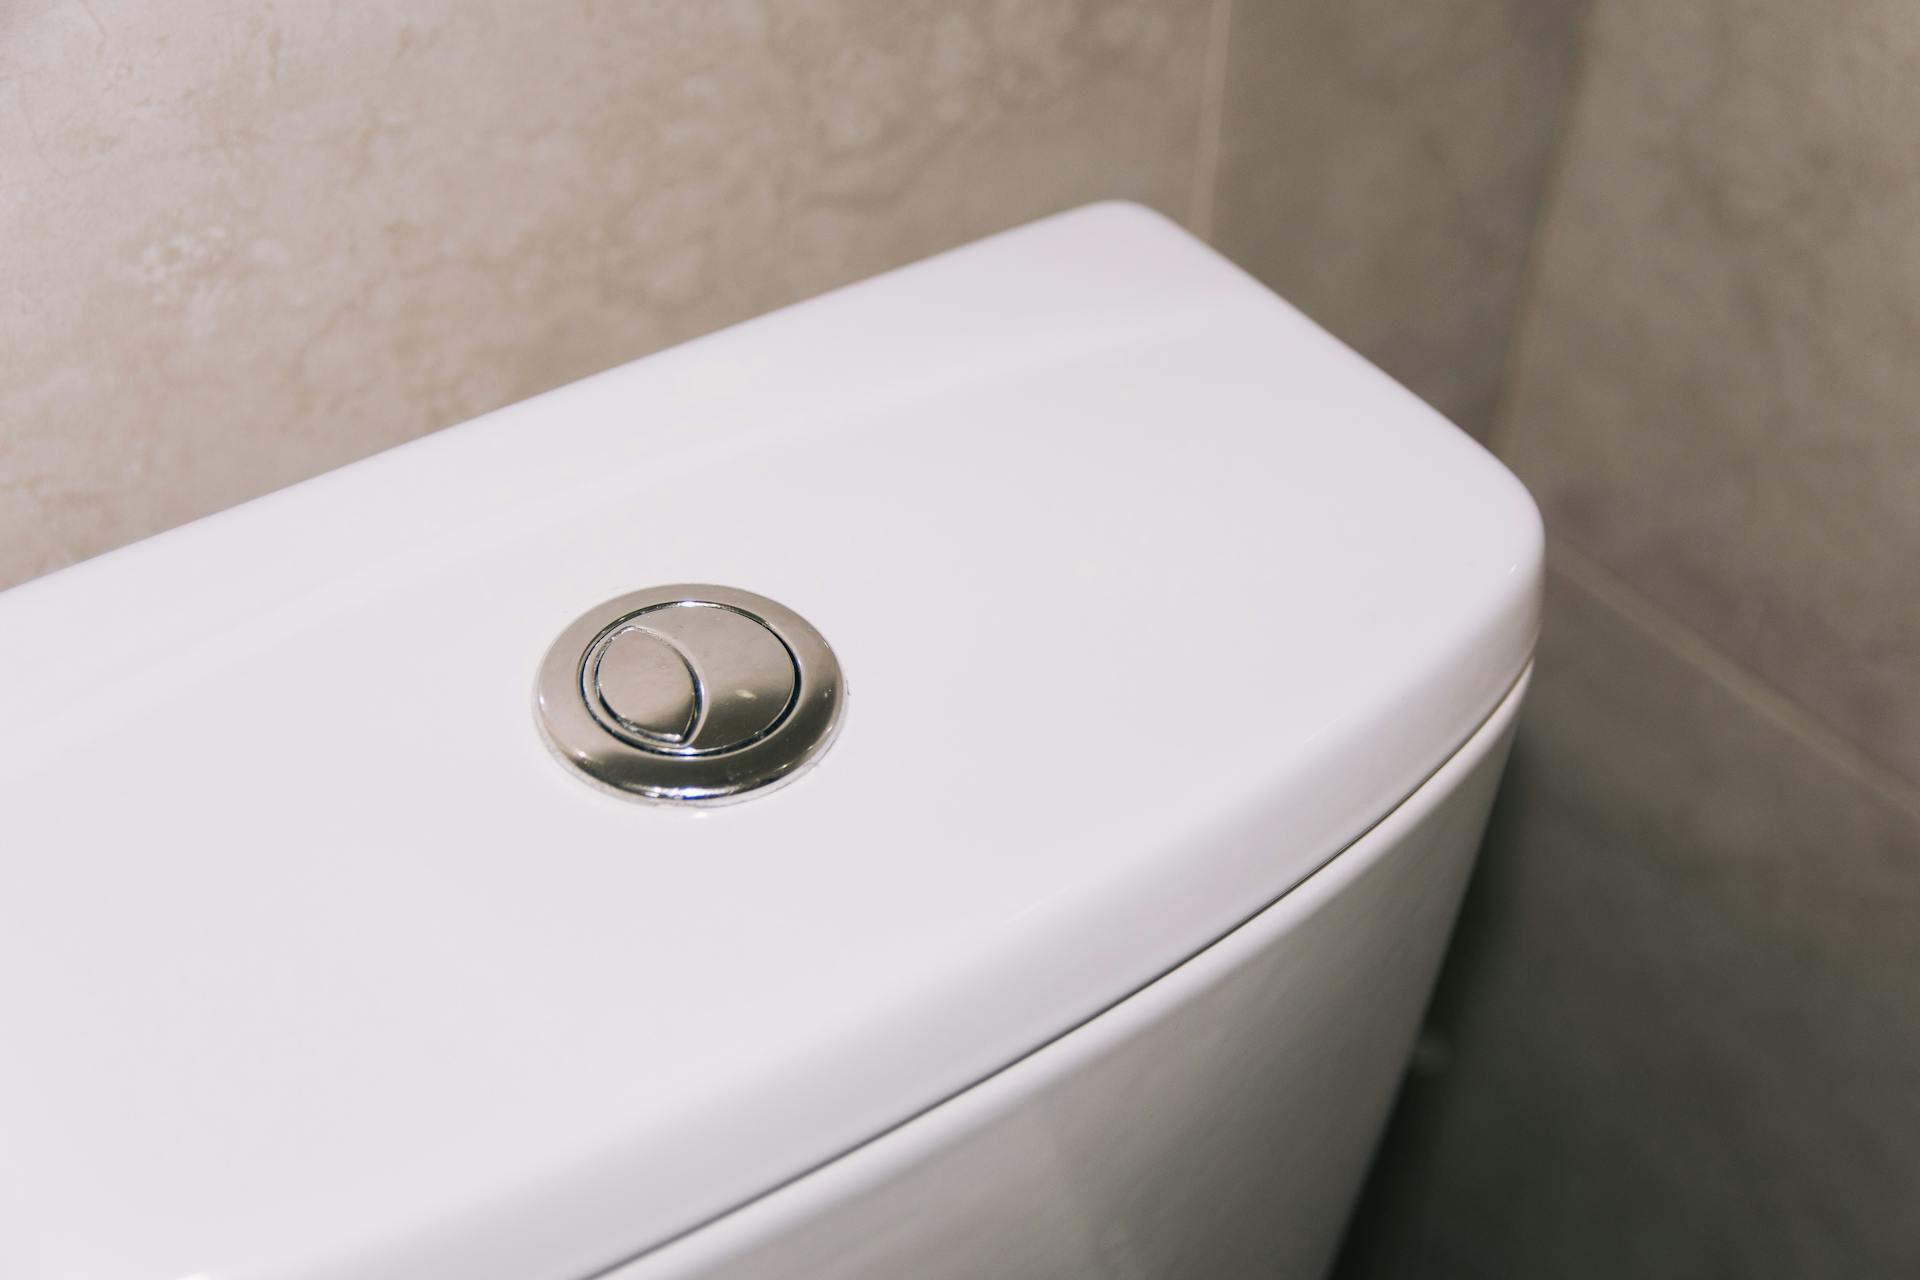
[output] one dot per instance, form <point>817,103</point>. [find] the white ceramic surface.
<point>1217,1123</point>
<point>313,962</point>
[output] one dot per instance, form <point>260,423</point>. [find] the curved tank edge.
<point>1031,1132</point>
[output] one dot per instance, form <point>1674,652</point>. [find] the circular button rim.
<point>794,741</point>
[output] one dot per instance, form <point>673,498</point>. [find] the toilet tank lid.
<point>1150,595</point>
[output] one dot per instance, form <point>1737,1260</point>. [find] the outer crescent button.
<point>744,674</point>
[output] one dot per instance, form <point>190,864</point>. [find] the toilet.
<point>967,776</point>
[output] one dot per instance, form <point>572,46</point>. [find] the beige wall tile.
<point>244,243</point>
<point>1382,164</point>
<point>1680,1015</point>
<point>1719,392</point>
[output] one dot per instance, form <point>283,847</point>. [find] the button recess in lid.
<point>690,693</point>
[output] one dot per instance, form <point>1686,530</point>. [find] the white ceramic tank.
<point>1178,652</point>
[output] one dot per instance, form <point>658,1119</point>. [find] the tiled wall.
<point>1382,166</point>
<point>1680,1035</point>
<point>242,243</point>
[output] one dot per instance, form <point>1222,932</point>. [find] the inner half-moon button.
<point>745,676</point>
<point>645,684</point>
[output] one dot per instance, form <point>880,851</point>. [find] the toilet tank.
<point>1181,648</point>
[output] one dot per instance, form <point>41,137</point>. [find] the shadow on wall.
<point>1682,1022</point>
<point>1678,1033</point>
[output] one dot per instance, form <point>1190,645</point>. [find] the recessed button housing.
<point>690,693</point>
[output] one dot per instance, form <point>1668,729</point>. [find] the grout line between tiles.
<point>1787,715</point>
<point>1213,97</point>
<point>1499,428</point>
<point>1592,577</point>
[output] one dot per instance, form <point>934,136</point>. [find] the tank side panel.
<point>1218,1122</point>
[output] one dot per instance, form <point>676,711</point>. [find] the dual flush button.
<point>690,693</point>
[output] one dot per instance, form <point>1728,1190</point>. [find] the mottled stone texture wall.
<point>1382,167</point>
<point>1680,1035</point>
<point>242,243</point>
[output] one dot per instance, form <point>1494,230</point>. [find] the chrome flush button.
<point>690,693</point>
<point>688,677</point>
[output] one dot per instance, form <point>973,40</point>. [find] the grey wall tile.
<point>241,244</point>
<point>1382,164</point>
<point>1718,393</point>
<point>1682,1013</point>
